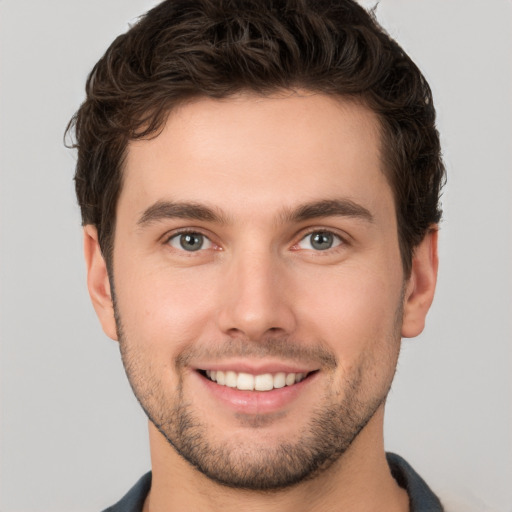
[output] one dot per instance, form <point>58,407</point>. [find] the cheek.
<point>353,311</point>
<point>163,308</point>
<point>357,319</point>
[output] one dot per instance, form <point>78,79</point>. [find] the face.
<point>258,283</point>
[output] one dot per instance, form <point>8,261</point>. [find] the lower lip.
<point>257,402</point>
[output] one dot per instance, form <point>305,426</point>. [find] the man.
<point>259,184</point>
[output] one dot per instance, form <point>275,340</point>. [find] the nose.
<point>255,298</point>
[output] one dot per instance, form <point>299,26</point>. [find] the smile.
<point>248,382</point>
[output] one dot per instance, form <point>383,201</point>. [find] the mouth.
<point>256,389</point>
<point>249,382</point>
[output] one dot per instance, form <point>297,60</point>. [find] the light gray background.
<point>73,437</point>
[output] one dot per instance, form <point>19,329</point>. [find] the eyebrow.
<point>175,210</point>
<point>195,211</point>
<point>328,208</point>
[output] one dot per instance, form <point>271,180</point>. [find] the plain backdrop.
<point>72,435</point>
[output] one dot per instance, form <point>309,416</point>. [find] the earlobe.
<point>98,282</point>
<point>421,285</point>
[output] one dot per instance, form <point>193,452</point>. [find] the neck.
<point>359,481</point>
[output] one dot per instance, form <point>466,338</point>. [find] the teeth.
<point>231,379</point>
<point>220,378</point>
<point>280,380</point>
<point>264,382</point>
<point>249,382</point>
<point>245,381</point>
<point>290,379</point>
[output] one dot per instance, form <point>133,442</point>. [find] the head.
<point>186,49</point>
<point>259,183</point>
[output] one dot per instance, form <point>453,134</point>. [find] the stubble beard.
<point>331,430</point>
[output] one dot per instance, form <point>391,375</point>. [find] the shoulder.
<point>133,500</point>
<point>421,497</point>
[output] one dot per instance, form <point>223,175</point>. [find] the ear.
<point>421,285</point>
<point>98,282</point>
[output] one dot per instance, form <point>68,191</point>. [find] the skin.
<point>258,295</point>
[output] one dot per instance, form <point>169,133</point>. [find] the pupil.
<point>322,241</point>
<point>191,242</point>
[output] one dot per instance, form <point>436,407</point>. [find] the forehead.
<point>251,151</point>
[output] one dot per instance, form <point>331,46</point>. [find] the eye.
<point>190,242</point>
<point>320,241</point>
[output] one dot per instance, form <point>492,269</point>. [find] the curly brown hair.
<point>215,48</point>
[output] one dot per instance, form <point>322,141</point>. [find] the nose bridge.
<point>254,298</point>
